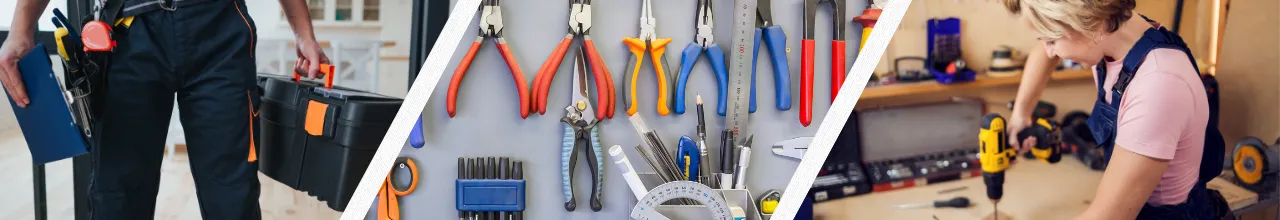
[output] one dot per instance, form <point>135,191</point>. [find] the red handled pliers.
<point>490,28</point>
<point>806,59</point>
<point>579,26</point>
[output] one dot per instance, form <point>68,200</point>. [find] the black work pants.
<point>203,53</point>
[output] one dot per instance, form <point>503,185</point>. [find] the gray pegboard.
<point>488,122</point>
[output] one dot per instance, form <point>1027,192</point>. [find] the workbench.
<point>1032,190</point>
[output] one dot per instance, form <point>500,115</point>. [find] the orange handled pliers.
<point>579,26</point>
<point>490,28</point>
<point>656,47</point>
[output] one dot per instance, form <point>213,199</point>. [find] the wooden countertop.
<point>1032,190</point>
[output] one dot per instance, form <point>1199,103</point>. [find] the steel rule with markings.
<point>645,209</point>
<point>744,21</point>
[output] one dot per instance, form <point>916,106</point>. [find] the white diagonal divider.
<point>839,112</point>
<point>441,53</point>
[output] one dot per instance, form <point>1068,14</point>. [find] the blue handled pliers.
<point>703,40</point>
<point>579,133</point>
<point>776,41</point>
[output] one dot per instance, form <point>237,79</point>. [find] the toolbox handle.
<point>324,68</point>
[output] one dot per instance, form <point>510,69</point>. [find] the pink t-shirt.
<point>1163,115</point>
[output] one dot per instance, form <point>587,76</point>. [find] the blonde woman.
<point>1152,111</point>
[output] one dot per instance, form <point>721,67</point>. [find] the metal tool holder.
<point>733,197</point>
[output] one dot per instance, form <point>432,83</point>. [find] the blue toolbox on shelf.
<point>320,140</point>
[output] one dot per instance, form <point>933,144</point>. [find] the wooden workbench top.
<point>1032,190</point>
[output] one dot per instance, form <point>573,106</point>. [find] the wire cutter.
<point>579,26</point>
<point>490,28</point>
<point>776,41</point>
<point>389,204</point>
<point>648,41</point>
<point>579,131</point>
<point>703,40</point>
<point>806,59</point>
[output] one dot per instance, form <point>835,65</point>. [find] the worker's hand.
<point>15,47</point>
<point>1017,122</point>
<point>310,56</point>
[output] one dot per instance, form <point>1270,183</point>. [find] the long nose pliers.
<point>579,133</point>
<point>703,40</point>
<point>806,59</point>
<point>648,41</point>
<point>490,28</point>
<point>579,26</point>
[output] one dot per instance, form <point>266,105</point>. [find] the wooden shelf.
<point>982,82</point>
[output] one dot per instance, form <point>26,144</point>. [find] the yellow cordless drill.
<point>996,155</point>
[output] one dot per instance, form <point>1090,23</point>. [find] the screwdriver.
<point>958,202</point>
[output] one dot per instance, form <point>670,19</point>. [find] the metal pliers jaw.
<point>705,24</point>
<point>648,24</point>
<point>490,19</point>
<point>579,17</point>
<point>764,14</point>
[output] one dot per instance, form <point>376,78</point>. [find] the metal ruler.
<point>645,208</point>
<point>744,25</point>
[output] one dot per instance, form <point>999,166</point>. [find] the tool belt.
<point>86,46</point>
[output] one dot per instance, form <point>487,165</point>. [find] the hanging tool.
<point>646,209</point>
<point>1255,164</point>
<point>793,148</point>
<point>868,21</point>
<point>579,26</point>
<point>775,40</point>
<point>807,50</point>
<point>995,155</point>
<point>490,28</point>
<point>416,139</point>
<point>769,201</point>
<point>389,203</point>
<point>703,40</point>
<point>690,159</point>
<point>580,133</point>
<point>648,41</point>
<point>958,202</point>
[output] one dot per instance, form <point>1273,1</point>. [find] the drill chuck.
<point>995,184</point>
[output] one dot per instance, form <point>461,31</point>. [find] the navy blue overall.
<point>1201,202</point>
<point>202,55</point>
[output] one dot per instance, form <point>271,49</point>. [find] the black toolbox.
<point>320,140</point>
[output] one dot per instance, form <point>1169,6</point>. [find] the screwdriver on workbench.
<point>958,202</point>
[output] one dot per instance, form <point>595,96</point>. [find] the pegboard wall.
<point>488,121</point>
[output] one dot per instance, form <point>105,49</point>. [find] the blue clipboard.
<point>46,123</point>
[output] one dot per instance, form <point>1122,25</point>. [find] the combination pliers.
<point>704,40</point>
<point>490,28</point>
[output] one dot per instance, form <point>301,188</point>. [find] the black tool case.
<point>320,140</point>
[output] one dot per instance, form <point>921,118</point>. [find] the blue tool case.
<point>320,140</point>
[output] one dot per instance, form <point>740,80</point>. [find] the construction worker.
<point>1153,113</point>
<point>200,50</point>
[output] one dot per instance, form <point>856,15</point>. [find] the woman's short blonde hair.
<point>1056,18</point>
